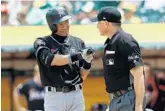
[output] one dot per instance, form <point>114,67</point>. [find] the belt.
<point>120,92</point>
<point>63,89</point>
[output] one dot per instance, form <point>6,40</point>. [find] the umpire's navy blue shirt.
<point>121,54</point>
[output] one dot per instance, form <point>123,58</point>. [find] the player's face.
<point>102,26</point>
<point>63,28</point>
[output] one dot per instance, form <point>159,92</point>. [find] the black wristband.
<point>75,57</point>
<point>81,62</point>
<point>86,65</point>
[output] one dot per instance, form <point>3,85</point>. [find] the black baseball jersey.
<point>34,95</point>
<point>121,54</point>
<point>66,75</point>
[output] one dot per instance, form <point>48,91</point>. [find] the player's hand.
<point>87,54</point>
<point>138,108</point>
<point>22,109</point>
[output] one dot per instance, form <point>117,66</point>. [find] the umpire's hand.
<point>87,54</point>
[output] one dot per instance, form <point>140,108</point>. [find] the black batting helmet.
<point>55,16</point>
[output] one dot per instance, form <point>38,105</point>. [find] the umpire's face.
<point>104,27</point>
<point>63,28</point>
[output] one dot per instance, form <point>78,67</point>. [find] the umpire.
<point>64,64</point>
<point>123,70</point>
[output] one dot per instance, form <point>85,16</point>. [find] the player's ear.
<point>54,27</point>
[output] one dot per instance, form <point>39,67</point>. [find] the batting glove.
<point>87,54</point>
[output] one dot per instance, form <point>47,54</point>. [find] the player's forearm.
<point>18,105</point>
<point>139,85</point>
<point>50,59</point>
<point>84,73</point>
<point>85,70</point>
<point>60,60</point>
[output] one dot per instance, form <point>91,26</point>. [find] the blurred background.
<point>23,21</point>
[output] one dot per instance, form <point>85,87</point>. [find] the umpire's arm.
<point>139,86</point>
<point>134,58</point>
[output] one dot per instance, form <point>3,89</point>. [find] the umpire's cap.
<point>109,14</point>
<point>56,15</point>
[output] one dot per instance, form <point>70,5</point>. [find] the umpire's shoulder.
<point>127,38</point>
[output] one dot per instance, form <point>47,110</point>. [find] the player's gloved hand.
<point>86,65</point>
<point>87,54</point>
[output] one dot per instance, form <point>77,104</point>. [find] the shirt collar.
<point>66,41</point>
<point>114,37</point>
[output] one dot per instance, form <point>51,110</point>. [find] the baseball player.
<point>64,64</point>
<point>122,63</point>
<point>33,91</point>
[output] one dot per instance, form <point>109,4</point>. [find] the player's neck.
<point>59,38</point>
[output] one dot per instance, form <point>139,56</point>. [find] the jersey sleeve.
<point>22,89</point>
<point>131,51</point>
<point>42,52</point>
